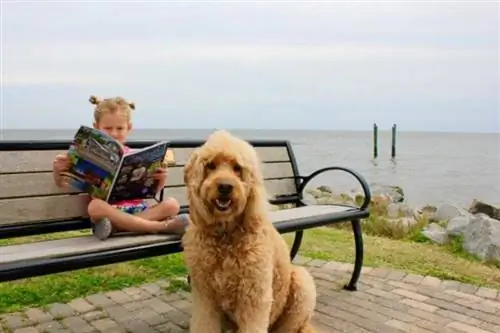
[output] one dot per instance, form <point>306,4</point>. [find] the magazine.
<point>100,166</point>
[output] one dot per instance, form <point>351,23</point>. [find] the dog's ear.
<point>193,169</point>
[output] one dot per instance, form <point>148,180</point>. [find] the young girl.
<point>113,116</point>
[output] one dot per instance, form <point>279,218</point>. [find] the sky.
<point>326,65</point>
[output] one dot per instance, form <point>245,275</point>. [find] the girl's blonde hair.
<point>111,105</point>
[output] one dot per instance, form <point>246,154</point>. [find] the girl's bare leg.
<point>99,210</point>
<point>168,211</point>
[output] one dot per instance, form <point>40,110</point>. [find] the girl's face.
<point>115,124</point>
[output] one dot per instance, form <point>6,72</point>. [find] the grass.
<point>322,243</point>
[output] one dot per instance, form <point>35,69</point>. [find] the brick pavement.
<point>387,301</point>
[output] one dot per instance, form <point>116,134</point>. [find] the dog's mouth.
<point>222,204</point>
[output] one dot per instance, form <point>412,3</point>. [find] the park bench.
<point>30,204</point>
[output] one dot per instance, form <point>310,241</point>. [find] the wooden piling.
<point>375,140</point>
<point>393,145</point>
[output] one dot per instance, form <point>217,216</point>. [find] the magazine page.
<point>95,158</point>
<point>135,178</point>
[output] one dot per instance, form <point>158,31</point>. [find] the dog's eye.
<point>211,166</point>
<point>237,168</point>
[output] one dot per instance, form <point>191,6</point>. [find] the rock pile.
<point>478,227</point>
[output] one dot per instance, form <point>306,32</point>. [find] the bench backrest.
<point>28,194</point>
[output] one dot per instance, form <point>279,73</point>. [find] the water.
<point>432,168</point>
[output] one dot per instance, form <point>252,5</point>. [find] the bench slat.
<point>38,160</point>
<point>41,184</point>
<point>89,244</point>
<point>60,207</point>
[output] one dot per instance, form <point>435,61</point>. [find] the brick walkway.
<point>387,301</point>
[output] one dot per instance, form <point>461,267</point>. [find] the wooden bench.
<point>30,204</point>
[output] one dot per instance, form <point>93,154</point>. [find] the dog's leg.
<point>253,311</point>
<point>297,316</point>
<point>205,317</point>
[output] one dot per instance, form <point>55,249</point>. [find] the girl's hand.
<point>161,175</point>
<point>61,163</point>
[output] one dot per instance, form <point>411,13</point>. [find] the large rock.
<point>457,225</point>
<point>482,237</point>
<point>436,233</point>
<point>395,193</point>
<point>447,211</point>
<point>484,208</point>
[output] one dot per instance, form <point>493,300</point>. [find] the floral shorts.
<point>132,208</point>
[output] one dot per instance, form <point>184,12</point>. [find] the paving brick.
<point>419,305</point>
<point>138,326</point>
<point>15,320</point>
<point>118,296</point>
<point>81,306</point>
<point>50,327</point>
<point>158,305</point>
<point>93,315</point>
<point>60,310</point>
<point>136,293</point>
<point>153,289</point>
<point>77,325</point>
<point>107,325</point>
<point>431,281</point>
<point>486,293</point>
<point>38,315</point>
<point>465,328</point>
<point>396,275</point>
<point>413,278</point>
<point>179,318</point>
<point>410,294</point>
<point>26,330</point>
<point>99,300</point>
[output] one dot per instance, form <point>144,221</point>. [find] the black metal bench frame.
<point>19,270</point>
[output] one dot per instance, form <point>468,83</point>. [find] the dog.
<point>242,279</point>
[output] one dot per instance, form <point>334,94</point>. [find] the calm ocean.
<point>432,168</point>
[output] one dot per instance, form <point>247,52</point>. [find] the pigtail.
<point>131,105</point>
<point>94,100</point>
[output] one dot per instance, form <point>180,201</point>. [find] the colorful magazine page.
<point>94,161</point>
<point>135,178</point>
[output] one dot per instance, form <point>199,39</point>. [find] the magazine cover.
<point>135,178</point>
<point>94,160</point>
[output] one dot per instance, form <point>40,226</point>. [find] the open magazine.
<point>100,167</point>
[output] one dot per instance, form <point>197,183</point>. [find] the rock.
<point>393,210</point>
<point>395,193</point>
<point>482,237</point>
<point>446,212</point>
<point>484,208</point>
<point>456,226</point>
<point>324,188</point>
<point>436,233</point>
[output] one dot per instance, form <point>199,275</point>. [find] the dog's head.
<point>223,178</point>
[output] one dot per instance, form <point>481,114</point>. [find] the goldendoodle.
<point>242,279</point>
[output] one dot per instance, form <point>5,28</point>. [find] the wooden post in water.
<point>375,140</point>
<point>393,146</point>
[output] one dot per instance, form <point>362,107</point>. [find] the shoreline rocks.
<point>477,227</point>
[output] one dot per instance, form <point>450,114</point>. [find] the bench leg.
<point>358,262</point>
<point>296,244</point>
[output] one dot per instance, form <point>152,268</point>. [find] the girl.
<point>113,116</point>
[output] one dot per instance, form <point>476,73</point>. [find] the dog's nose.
<point>225,188</point>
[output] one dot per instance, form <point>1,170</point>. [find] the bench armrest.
<point>361,180</point>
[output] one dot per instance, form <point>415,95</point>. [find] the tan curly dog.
<point>242,279</point>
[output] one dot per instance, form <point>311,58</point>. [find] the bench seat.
<point>87,251</point>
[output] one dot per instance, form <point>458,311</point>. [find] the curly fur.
<point>242,279</point>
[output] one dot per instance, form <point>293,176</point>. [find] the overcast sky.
<point>425,66</point>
